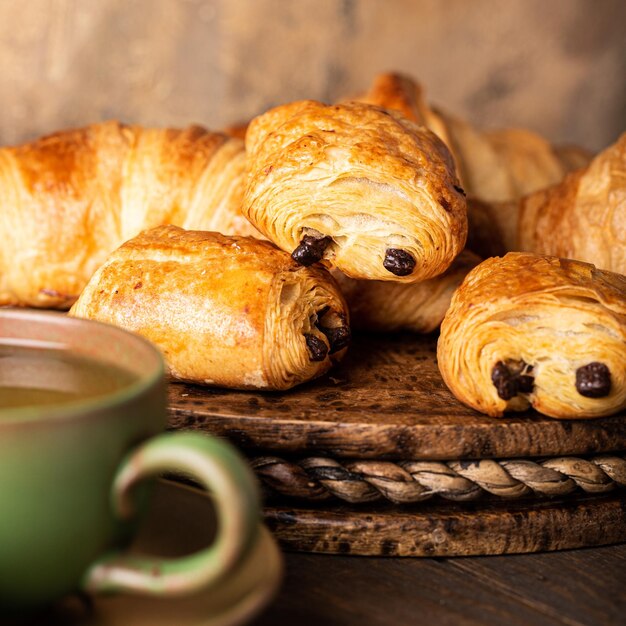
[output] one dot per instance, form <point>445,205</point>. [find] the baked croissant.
<point>69,199</point>
<point>226,311</point>
<point>367,191</point>
<point>584,216</point>
<point>527,330</point>
<point>384,306</point>
<point>495,166</point>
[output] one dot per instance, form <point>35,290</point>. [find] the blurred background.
<point>556,67</point>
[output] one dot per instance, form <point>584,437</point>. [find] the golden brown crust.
<point>368,179</point>
<point>225,311</point>
<point>383,306</point>
<point>545,315</point>
<point>584,216</point>
<point>70,198</point>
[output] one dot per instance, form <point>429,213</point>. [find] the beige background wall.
<point>557,66</point>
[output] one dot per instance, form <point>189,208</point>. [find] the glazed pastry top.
<point>368,179</point>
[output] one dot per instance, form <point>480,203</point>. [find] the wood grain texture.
<point>552,67</point>
<point>452,529</point>
<point>385,401</point>
<point>574,588</point>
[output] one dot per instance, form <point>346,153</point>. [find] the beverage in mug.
<point>82,410</point>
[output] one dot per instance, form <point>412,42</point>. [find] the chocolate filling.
<point>310,250</point>
<point>338,336</point>
<point>593,380</point>
<point>459,190</point>
<point>399,262</point>
<point>317,348</point>
<point>512,378</point>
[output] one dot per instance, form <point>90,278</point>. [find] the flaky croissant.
<point>384,306</point>
<point>69,199</point>
<point>226,311</point>
<point>493,166</point>
<point>368,191</point>
<point>527,330</point>
<point>584,216</point>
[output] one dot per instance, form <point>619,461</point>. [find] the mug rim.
<point>74,409</point>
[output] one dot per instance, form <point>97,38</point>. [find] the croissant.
<point>367,191</point>
<point>384,306</point>
<point>495,166</point>
<point>69,199</point>
<point>584,216</point>
<point>226,311</point>
<point>527,330</point>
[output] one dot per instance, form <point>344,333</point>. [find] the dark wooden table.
<point>575,588</point>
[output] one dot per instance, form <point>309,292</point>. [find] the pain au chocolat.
<point>363,189</point>
<point>226,311</point>
<point>527,330</point>
<point>69,199</point>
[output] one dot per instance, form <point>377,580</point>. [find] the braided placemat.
<point>320,478</point>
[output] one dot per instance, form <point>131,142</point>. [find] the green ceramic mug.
<point>70,469</point>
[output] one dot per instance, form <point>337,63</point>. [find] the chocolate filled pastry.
<point>69,199</point>
<point>383,306</point>
<point>364,190</point>
<point>584,216</point>
<point>226,311</point>
<point>527,330</point>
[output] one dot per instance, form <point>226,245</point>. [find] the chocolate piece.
<point>504,382</point>
<point>513,378</point>
<point>317,348</point>
<point>310,250</point>
<point>593,380</point>
<point>338,337</point>
<point>525,383</point>
<point>399,262</point>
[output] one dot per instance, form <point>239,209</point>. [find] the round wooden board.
<point>443,530</point>
<point>385,401</point>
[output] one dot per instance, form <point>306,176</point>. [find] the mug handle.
<point>218,468</point>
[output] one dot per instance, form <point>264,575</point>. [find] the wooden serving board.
<point>452,529</point>
<point>385,401</point>
<point>385,405</point>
